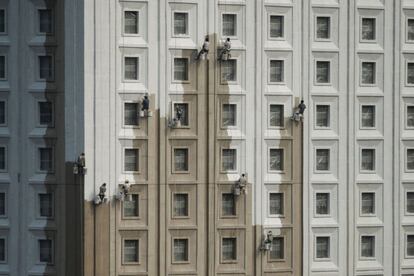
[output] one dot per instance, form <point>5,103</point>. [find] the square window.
<point>229,70</point>
<point>131,68</point>
<point>46,113</point>
<point>180,250</point>
<point>228,204</point>
<point>276,70</point>
<point>180,23</point>
<point>46,159</point>
<point>368,29</point>
<point>322,203</point>
<point>3,158</point>
<point>180,205</point>
<point>368,73</point>
<point>410,245</point>
<point>183,107</point>
<point>367,203</point>
<point>276,160</point>
<point>322,159</point>
<point>46,205</point>
<point>276,117</point>
<point>323,72</point>
<point>2,21</point>
<point>276,26</point>
<point>131,25</point>
<point>410,73</point>
<point>131,207</point>
<point>229,249</point>
<point>323,247</point>
<point>2,250</point>
<point>410,116</point>
<point>180,69</point>
<point>410,202</point>
<point>45,21</point>
<point>2,203</point>
<point>131,163</point>
<point>131,113</point>
<point>367,246</point>
<point>368,159</point>
<point>368,116</point>
<point>276,204</point>
<point>229,159</point>
<point>45,68</point>
<point>131,251</point>
<point>46,251</point>
<point>2,112</point>
<point>229,24</point>
<point>410,29</point>
<point>181,160</point>
<point>229,115</point>
<point>410,159</point>
<point>322,115</point>
<point>277,251</point>
<point>323,27</point>
<point>3,67</point>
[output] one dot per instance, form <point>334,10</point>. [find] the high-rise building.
<point>331,193</point>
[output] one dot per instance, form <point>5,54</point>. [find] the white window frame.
<point>39,124</point>
<point>5,111</point>
<point>188,113</point>
<point>329,30</point>
<point>375,116</point>
<point>6,66</point>
<point>173,206</point>
<point>406,256</point>
<point>138,169</point>
<point>222,260</point>
<point>53,22</point>
<point>6,157</point>
<point>39,161</point>
<point>125,263</point>
<point>52,78</point>
<point>188,70</point>
<point>374,214</point>
<point>270,259</point>
<point>406,72</point>
<point>222,209</point>
<point>406,30</point>
<point>329,214</point>
<point>315,256</point>
<point>329,83</point>
<point>283,116</point>
<point>283,160</point>
<point>283,82</point>
<point>123,115</point>
<point>283,214</point>
<point>329,170</point>
<point>138,23</point>
<point>375,83</point>
<point>236,121</point>
<point>139,58</point>
<point>187,27</point>
<point>226,82</point>
<point>283,37</point>
<point>329,116</point>
<point>375,160</point>
<point>6,25</point>
<point>173,160</point>
<point>52,249</point>
<point>221,160</point>
<point>374,249</point>
<point>406,116</point>
<point>38,213</point>
<point>375,40</point>
<point>406,159</point>
<point>406,212</point>
<point>173,261</point>
<point>124,217</point>
<point>232,37</point>
<point>6,202</point>
<point>6,249</point>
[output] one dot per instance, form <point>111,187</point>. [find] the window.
<point>229,249</point>
<point>322,203</point>
<point>131,160</point>
<point>180,250</point>
<point>131,207</point>
<point>131,25</point>
<point>368,159</point>
<point>46,159</point>
<point>228,159</point>
<point>410,116</point>
<point>229,24</point>
<point>323,72</point>
<point>368,29</point>
<point>131,68</point>
<point>367,203</point>
<point>322,159</point>
<point>276,115</point>
<point>410,202</point>
<point>3,67</point>
<point>2,21</point>
<point>181,69</point>
<point>180,23</point>
<point>323,27</point>
<point>229,70</point>
<point>228,204</point>
<point>184,112</point>
<point>46,113</point>
<point>2,203</point>
<point>180,205</point>
<point>131,249</point>
<point>45,21</point>
<point>131,114</point>
<point>323,247</point>
<point>368,73</point>
<point>367,246</point>
<point>277,251</point>
<point>45,68</point>
<point>181,160</point>
<point>46,205</point>
<point>276,70</point>
<point>276,26</point>
<point>368,116</point>
<point>2,249</point>
<point>322,115</point>
<point>410,73</point>
<point>410,29</point>
<point>3,158</point>
<point>410,159</point>
<point>229,115</point>
<point>45,251</point>
<point>2,112</point>
<point>410,245</point>
<point>276,204</point>
<point>276,159</point>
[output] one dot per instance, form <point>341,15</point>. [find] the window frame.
<point>39,161</point>
<point>329,82</point>
<point>138,34</point>
<point>374,117</point>
<point>361,170</point>
<point>6,158</point>
<point>281,38</point>
<point>38,205</point>
<point>39,124</point>
<point>269,79</point>
<point>138,165</point>
<point>6,23</point>
<point>269,258</point>
<point>187,26</point>
<point>232,261</point>
<point>375,83</point>
<point>329,258</point>
<point>137,57</point>
<point>375,40</point>
<point>269,116</point>
<point>173,215</point>
<point>186,81</point>
<point>124,125</point>
<point>188,114</point>
<point>374,207</point>
<point>407,105</point>
<point>236,121</point>
<point>406,30</point>
<point>406,159</point>
<point>283,159</point>
<point>406,212</point>
<point>236,23</point>
<point>125,263</point>
<point>5,112</point>
<point>53,251</point>
<point>374,249</point>
<point>6,67</point>
<point>223,81</point>
<point>315,213</point>
<point>124,217</point>
<point>6,249</point>
<point>52,58</point>
<point>406,246</point>
<point>283,204</point>
<point>329,170</point>
<point>174,171</point>
<point>223,215</point>
<point>222,170</point>
<point>188,253</point>
<point>6,202</point>
<point>52,22</point>
<point>318,39</point>
<point>329,125</point>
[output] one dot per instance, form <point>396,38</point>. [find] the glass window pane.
<point>46,205</point>
<point>131,114</point>
<point>2,204</point>
<point>3,67</point>
<point>229,247</point>
<point>131,68</point>
<point>180,23</point>
<point>410,202</point>
<point>410,116</point>
<point>276,70</point>
<point>276,159</point>
<point>181,160</point>
<point>368,246</point>
<point>183,107</point>
<point>368,73</point>
<point>367,203</point>
<point>322,247</point>
<point>322,160</point>
<point>368,29</point>
<point>45,251</point>
<point>322,115</point>
<point>46,159</point>
<point>410,73</point>
<point>2,249</point>
<point>228,204</point>
<point>229,24</point>
<point>45,113</point>
<point>276,203</point>
<point>45,68</point>
<point>410,245</point>
<point>2,158</point>
<point>180,250</point>
<point>180,205</point>
<point>45,21</point>
<point>229,70</point>
<point>322,203</point>
<point>277,251</point>
<point>131,160</point>
<point>2,112</point>
<point>410,159</point>
<point>410,29</point>
<point>323,71</point>
<point>131,248</point>
<point>276,26</point>
<point>368,159</point>
<point>181,69</point>
<point>2,21</point>
<point>276,115</point>
<point>131,22</point>
<point>131,207</point>
<point>229,115</point>
<point>323,27</point>
<point>368,116</point>
<point>228,159</point>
